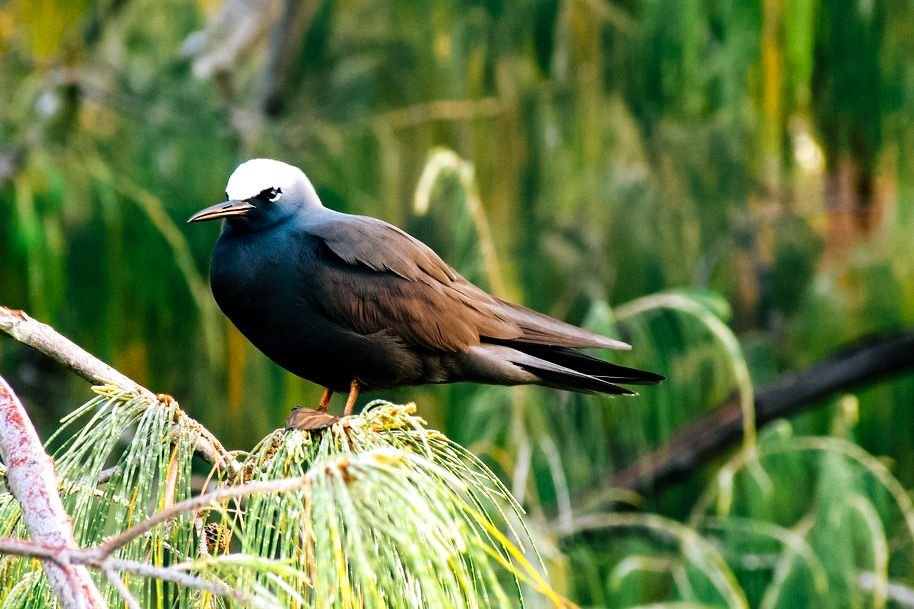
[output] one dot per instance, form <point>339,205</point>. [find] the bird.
<point>354,303</point>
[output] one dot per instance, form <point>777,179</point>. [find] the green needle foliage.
<point>401,516</point>
<point>388,514</point>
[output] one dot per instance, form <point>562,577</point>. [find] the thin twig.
<point>182,579</point>
<point>48,341</point>
<point>30,478</point>
<point>121,587</point>
<point>31,549</point>
<point>200,501</point>
<point>58,552</point>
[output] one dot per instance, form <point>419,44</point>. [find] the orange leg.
<point>325,400</point>
<point>350,401</point>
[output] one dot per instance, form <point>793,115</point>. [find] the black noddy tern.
<point>352,302</point>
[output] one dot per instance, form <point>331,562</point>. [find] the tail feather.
<point>592,366</point>
<point>570,380</point>
<point>513,363</point>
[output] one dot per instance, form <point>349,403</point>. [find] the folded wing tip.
<point>618,345</point>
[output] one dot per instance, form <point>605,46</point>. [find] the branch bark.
<point>46,340</point>
<point>30,477</point>
<point>112,567</point>
<point>791,393</point>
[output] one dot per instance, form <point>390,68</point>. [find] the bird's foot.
<point>308,419</point>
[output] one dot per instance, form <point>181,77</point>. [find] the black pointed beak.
<point>222,210</point>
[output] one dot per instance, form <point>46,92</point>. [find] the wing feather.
<point>376,277</point>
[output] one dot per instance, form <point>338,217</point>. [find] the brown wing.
<point>379,278</point>
<point>382,247</point>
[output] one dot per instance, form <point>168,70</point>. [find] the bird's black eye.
<point>269,194</point>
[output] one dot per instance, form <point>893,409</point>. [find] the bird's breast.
<point>260,286</point>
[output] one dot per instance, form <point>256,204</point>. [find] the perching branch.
<point>76,558</point>
<point>719,429</point>
<point>30,478</point>
<point>48,341</point>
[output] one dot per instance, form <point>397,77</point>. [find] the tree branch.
<point>122,589</point>
<point>76,558</point>
<point>791,393</point>
<point>30,477</point>
<point>46,340</point>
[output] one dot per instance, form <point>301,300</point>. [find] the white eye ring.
<point>276,194</point>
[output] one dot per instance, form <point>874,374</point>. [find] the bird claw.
<point>308,419</point>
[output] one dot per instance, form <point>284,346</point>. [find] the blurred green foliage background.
<point>752,155</point>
